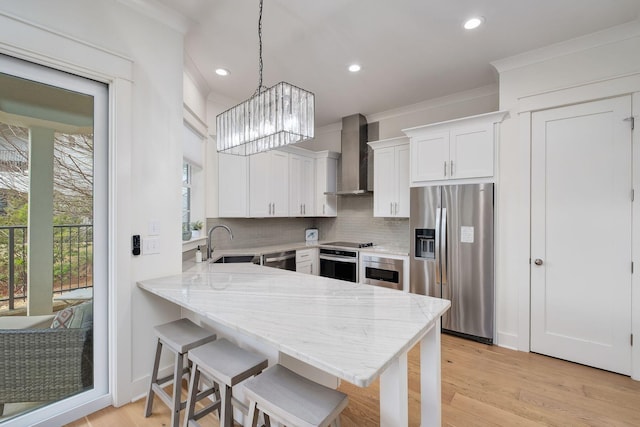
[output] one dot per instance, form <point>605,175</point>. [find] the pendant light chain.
<point>273,117</point>
<point>260,51</point>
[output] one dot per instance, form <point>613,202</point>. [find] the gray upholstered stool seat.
<point>295,401</point>
<point>226,364</point>
<point>178,336</point>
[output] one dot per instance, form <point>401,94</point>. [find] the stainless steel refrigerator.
<point>452,254</point>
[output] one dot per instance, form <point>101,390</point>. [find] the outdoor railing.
<point>72,261</point>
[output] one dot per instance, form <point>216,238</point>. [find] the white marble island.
<point>355,332</point>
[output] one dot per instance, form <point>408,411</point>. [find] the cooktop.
<point>350,244</point>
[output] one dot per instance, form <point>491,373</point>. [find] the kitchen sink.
<point>228,259</point>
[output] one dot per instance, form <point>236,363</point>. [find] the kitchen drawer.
<point>305,254</point>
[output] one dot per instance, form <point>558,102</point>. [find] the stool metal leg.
<point>178,371</point>
<point>226,415</point>
<point>154,377</point>
<point>193,391</point>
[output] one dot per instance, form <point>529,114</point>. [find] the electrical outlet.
<point>151,245</point>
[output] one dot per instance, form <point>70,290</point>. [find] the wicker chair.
<point>38,365</point>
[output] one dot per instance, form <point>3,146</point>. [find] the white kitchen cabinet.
<point>269,184</point>
<point>301,185</point>
<point>233,186</point>
<point>307,261</point>
<point>391,177</point>
<point>326,181</point>
<point>461,149</point>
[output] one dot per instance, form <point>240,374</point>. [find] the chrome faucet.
<point>209,239</point>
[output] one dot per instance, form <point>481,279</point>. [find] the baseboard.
<point>140,386</point>
<point>507,340</point>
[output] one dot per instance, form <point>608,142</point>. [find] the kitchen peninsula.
<point>351,331</point>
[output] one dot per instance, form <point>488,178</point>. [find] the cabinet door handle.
<point>396,208</point>
<point>304,208</point>
<point>451,168</point>
<point>390,208</point>
<point>445,168</point>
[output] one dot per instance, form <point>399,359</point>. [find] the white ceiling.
<point>410,50</point>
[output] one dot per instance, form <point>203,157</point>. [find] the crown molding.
<point>191,69</point>
<point>161,13</point>
<point>578,44</point>
<point>455,98</point>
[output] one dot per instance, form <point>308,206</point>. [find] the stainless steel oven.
<point>339,264</point>
<point>382,271</point>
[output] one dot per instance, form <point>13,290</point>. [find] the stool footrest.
<point>164,396</point>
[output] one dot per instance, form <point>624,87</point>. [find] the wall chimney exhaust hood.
<point>355,155</point>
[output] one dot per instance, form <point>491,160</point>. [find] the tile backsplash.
<point>355,222</point>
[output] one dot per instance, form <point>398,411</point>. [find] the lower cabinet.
<point>307,261</point>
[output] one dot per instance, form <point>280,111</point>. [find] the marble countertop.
<point>349,330</point>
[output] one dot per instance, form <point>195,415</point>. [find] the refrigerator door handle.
<point>438,259</point>
<point>443,245</point>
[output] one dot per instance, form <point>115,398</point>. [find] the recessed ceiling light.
<point>474,22</point>
<point>354,68</point>
<point>222,72</point>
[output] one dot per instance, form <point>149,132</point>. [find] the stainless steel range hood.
<point>355,156</point>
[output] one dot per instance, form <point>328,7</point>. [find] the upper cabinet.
<point>461,149</point>
<point>391,177</point>
<point>326,181</point>
<point>302,179</point>
<point>269,184</point>
<point>233,186</point>
<point>278,183</point>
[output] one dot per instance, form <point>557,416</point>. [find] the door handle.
<point>538,261</point>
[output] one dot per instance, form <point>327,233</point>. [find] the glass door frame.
<point>100,91</point>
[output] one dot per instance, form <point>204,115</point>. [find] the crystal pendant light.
<point>273,117</point>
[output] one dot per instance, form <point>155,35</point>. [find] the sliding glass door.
<point>53,242</point>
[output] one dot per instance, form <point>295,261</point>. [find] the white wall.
<point>146,167</point>
<point>576,65</point>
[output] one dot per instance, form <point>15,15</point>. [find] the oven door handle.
<point>339,259</point>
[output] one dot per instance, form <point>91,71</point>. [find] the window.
<point>193,194</point>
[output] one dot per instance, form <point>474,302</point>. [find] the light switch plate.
<point>151,245</point>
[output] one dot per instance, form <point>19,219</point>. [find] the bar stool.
<point>178,336</point>
<point>286,397</point>
<point>224,363</point>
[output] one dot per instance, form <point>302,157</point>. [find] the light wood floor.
<point>481,386</point>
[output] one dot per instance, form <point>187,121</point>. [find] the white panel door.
<point>581,234</point>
